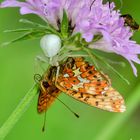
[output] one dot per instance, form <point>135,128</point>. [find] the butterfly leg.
<point>57,73</point>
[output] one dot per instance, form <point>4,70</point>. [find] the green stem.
<point>18,112</point>
<point>118,121</point>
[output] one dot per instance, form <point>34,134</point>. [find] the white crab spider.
<point>51,45</point>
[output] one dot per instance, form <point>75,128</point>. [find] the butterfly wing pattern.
<point>83,82</point>
<point>47,95</point>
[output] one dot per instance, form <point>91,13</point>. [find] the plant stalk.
<point>18,112</point>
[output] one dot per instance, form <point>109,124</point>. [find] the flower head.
<point>90,18</point>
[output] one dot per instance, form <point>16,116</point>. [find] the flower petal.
<point>90,19</point>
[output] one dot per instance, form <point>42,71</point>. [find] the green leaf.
<point>32,23</point>
<point>47,27</point>
<point>19,30</point>
<point>26,36</point>
<point>64,25</point>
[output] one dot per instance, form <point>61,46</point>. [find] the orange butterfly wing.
<point>47,95</point>
<point>83,82</point>
<point>80,76</point>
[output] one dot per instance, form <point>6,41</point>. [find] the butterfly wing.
<point>110,101</point>
<point>47,95</point>
<point>80,76</point>
<point>83,82</point>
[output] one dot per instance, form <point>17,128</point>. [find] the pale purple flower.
<point>88,19</point>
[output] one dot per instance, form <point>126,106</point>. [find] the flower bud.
<point>50,44</point>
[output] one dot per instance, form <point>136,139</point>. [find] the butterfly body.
<point>80,80</point>
<point>47,96</point>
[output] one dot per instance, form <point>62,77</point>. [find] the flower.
<point>90,18</point>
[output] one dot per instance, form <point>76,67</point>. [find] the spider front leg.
<point>39,68</point>
<point>41,63</point>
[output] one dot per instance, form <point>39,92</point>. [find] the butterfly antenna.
<point>121,1</point>
<point>37,78</point>
<point>44,123</point>
<point>68,108</point>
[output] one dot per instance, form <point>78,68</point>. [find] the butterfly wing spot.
<point>96,103</point>
<point>84,67</point>
<point>68,72</point>
<point>74,92</point>
<point>74,80</point>
<point>79,61</point>
<point>86,98</point>
<point>88,73</point>
<point>45,84</point>
<point>81,95</point>
<point>66,75</point>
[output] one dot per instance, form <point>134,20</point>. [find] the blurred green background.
<point>17,68</point>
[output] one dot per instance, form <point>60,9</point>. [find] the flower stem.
<point>18,112</point>
<point>118,121</point>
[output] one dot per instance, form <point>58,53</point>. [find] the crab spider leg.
<point>39,61</point>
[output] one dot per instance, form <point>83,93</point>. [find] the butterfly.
<point>80,80</point>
